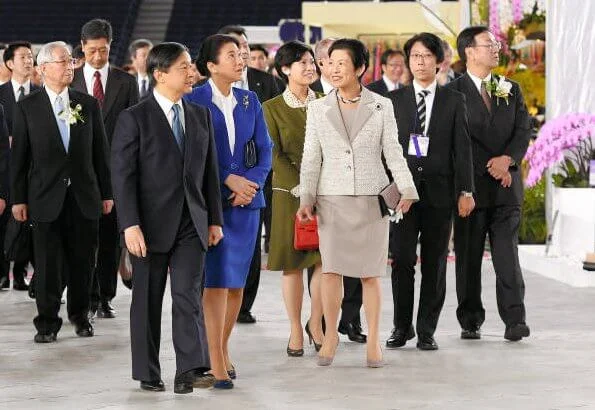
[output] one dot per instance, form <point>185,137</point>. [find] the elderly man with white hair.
<point>60,182</point>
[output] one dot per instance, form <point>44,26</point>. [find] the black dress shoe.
<point>353,332</point>
<point>471,334</point>
<point>154,385</point>
<point>106,310</point>
<point>516,332</point>
<point>31,291</point>
<point>246,317</point>
<point>203,380</point>
<point>399,337</point>
<point>426,343</point>
<point>84,329</point>
<point>20,285</point>
<point>45,337</point>
<point>184,383</point>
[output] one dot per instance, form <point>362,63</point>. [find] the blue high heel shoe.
<point>223,384</point>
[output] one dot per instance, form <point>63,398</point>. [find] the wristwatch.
<point>467,194</point>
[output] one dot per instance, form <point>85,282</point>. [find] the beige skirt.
<point>353,235</point>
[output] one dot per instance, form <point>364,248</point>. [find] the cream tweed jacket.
<point>334,165</point>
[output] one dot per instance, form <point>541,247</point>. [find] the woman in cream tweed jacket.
<point>347,132</point>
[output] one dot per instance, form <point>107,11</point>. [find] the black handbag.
<point>250,154</point>
<point>18,241</point>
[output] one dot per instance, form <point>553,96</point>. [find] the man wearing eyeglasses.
<point>499,129</point>
<point>115,90</point>
<point>60,181</point>
<point>433,132</point>
<point>393,64</point>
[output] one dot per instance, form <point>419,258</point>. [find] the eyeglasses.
<point>421,56</point>
<point>495,46</point>
<point>70,61</point>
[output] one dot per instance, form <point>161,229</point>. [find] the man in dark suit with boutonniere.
<point>60,181</point>
<point>499,129</point>
<point>115,90</point>
<point>166,187</point>
<point>432,123</point>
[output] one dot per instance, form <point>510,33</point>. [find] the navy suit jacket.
<point>249,124</point>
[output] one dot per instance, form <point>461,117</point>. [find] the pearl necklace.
<point>350,100</point>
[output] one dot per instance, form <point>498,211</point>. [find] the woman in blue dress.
<point>239,125</point>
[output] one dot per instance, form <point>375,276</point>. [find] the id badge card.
<point>418,145</point>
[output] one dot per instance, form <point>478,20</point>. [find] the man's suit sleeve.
<point>133,93</point>
<point>20,157</point>
<point>517,147</point>
<point>124,165</point>
<point>264,148</point>
<point>101,154</point>
<point>462,148</point>
<point>4,152</point>
<point>210,185</point>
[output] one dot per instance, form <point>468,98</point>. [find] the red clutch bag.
<point>305,235</point>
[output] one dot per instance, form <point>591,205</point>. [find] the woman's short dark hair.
<point>466,39</point>
<point>360,56</point>
<point>96,29</point>
<point>430,41</point>
<point>288,54</point>
<point>209,51</point>
<point>162,56</point>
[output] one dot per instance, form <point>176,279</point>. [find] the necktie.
<point>143,88</point>
<point>21,93</point>
<point>421,111</point>
<point>177,128</point>
<point>62,126</point>
<point>98,88</point>
<point>485,96</point>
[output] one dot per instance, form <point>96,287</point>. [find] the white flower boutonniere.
<point>500,88</point>
<point>72,115</point>
<point>246,102</point>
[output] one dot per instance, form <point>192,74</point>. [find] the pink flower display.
<point>556,139</point>
<point>517,11</point>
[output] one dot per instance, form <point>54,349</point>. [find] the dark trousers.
<point>253,279</point>
<point>64,250</point>
<point>432,226</point>
<point>186,263</point>
<point>105,275</point>
<point>352,299</point>
<point>502,225</point>
<point>4,264</point>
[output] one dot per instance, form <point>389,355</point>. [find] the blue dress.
<point>228,263</point>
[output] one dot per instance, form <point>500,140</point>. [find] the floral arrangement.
<point>567,141</point>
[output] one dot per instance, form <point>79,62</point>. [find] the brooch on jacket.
<point>246,102</point>
<point>378,107</point>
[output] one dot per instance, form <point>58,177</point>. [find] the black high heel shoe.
<point>294,352</point>
<point>317,346</point>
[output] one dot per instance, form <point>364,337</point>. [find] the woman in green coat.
<point>285,116</point>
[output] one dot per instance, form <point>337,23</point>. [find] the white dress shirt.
<point>16,86</point>
<point>243,83</point>
<point>140,79</point>
<point>389,84</point>
<point>477,81</point>
<point>326,86</point>
<point>65,101</point>
<point>226,104</point>
<point>429,101</point>
<point>167,106</point>
<point>89,73</point>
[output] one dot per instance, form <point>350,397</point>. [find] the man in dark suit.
<point>500,131</point>
<point>115,90</point>
<point>265,87</point>
<point>139,50</point>
<point>60,180</point>
<point>4,180</point>
<point>433,132</point>
<point>166,187</point>
<point>18,58</point>
<point>393,65</point>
